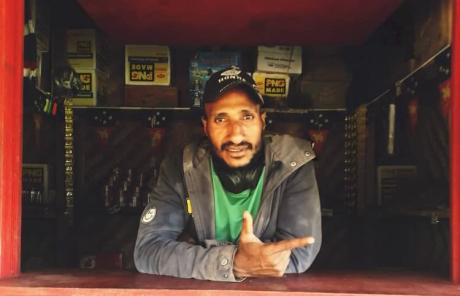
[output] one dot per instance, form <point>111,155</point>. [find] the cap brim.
<point>254,94</point>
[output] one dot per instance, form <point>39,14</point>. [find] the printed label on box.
<point>82,47</point>
<point>86,90</point>
<point>93,88</point>
<point>275,86</point>
<point>147,65</point>
<point>272,85</point>
<point>140,69</point>
<point>280,59</point>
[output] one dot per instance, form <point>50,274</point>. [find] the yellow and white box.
<point>147,65</point>
<point>272,85</point>
<point>93,87</point>
<point>279,59</point>
<point>86,49</point>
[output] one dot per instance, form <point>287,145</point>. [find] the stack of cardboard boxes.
<point>274,65</point>
<point>87,53</point>
<point>148,77</point>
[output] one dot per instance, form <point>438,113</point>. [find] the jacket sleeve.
<point>157,249</point>
<point>300,215</point>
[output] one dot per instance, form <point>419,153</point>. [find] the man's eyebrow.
<point>243,111</point>
<point>221,114</point>
<point>246,111</point>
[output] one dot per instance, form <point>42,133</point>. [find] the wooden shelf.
<point>268,110</point>
<point>126,108</point>
<point>302,111</point>
<point>411,212</point>
<point>30,212</point>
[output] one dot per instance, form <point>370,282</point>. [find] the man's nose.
<point>236,132</point>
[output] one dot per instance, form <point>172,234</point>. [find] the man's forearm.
<point>181,259</point>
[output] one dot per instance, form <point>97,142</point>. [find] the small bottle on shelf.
<point>107,196</point>
<point>135,199</point>
<point>121,198</point>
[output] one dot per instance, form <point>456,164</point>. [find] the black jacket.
<point>289,208</point>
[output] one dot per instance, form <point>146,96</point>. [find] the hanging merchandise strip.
<point>442,57</point>
<point>362,172</point>
<point>350,173</point>
<point>68,159</point>
<point>355,174</point>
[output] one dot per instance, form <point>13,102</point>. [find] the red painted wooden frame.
<point>11,64</point>
<point>11,67</point>
<point>455,148</point>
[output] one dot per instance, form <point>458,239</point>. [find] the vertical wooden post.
<point>11,68</point>
<point>455,148</point>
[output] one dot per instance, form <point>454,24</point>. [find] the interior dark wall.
<point>349,240</point>
<point>415,32</point>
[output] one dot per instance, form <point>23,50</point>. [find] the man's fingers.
<point>247,227</point>
<point>290,244</point>
<point>282,256</point>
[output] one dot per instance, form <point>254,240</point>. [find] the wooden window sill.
<point>78,282</point>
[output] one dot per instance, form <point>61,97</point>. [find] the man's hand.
<point>255,258</point>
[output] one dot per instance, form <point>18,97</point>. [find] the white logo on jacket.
<point>149,215</point>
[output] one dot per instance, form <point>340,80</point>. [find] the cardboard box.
<point>203,65</point>
<point>279,59</point>
<point>150,96</point>
<point>433,27</point>
<point>87,49</point>
<point>147,65</point>
<point>93,88</point>
<point>272,85</point>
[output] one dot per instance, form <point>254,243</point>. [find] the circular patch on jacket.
<point>149,215</point>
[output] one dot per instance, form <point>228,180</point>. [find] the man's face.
<point>234,125</point>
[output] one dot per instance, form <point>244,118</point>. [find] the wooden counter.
<point>76,282</point>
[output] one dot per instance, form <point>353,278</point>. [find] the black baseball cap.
<point>227,79</point>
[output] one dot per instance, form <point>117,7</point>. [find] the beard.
<point>241,178</point>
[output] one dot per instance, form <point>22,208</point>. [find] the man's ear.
<point>263,116</point>
<point>204,122</point>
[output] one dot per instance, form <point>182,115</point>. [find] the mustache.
<point>243,144</point>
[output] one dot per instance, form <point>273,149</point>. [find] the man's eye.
<point>219,120</point>
<point>248,117</point>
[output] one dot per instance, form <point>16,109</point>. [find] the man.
<point>200,221</point>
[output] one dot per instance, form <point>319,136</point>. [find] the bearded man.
<point>237,204</point>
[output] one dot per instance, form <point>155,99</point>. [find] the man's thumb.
<point>246,226</point>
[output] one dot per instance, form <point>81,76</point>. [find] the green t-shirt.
<point>229,207</point>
